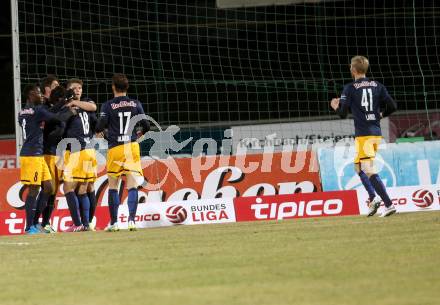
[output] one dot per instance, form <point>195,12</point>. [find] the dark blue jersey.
<point>32,120</point>
<point>52,132</point>
<point>116,115</point>
<point>365,99</point>
<point>80,127</point>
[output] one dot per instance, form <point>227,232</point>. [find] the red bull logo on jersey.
<point>365,84</point>
<point>123,104</point>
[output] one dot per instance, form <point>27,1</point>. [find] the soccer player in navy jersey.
<point>52,134</point>
<point>88,105</point>
<point>123,156</point>
<point>33,170</point>
<point>80,168</point>
<point>47,84</point>
<point>369,101</point>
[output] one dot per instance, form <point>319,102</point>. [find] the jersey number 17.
<point>123,126</point>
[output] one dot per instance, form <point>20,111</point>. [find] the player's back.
<point>50,141</point>
<point>79,128</point>
<point>119,112</point>
<point>365,97</point>
<point>31,120</point>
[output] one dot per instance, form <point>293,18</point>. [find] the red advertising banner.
<point>7,147</point>
<point>177,180</point>
<point>13,222</point>
<point>7,161</point>
<point>232,176</point>
<point>7,153</point>
<point>198,178</point>
<point>339,203</point>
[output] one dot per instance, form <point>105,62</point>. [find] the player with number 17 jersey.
<point>117,115</point>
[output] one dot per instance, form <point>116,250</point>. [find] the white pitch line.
<point>14,244</point>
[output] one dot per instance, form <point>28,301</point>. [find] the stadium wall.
<point>275,186</point>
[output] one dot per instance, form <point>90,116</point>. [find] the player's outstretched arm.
<point>339,107</point>
<point>84,105</point>
<point>63,115</point>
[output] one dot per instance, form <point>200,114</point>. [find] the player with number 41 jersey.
<point>369,102</point>
<point>365,98</point>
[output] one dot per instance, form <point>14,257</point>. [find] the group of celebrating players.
<point>58,124</point>
<point>61,114</point>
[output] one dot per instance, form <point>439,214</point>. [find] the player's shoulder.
<point>107,103</point>
<point>41,108</point>
<point>132,100</point>
<point>348,86</point>
<point>87,99</point>
<point>375,83</point>
<point>27,110</point>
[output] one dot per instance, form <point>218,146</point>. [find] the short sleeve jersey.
<point>364,98</point>
<point>117,114</point>
<point>32,120</point>
<point>79,127</point>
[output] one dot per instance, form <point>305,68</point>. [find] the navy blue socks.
<point>92,199</point>
<point>367,184</point>
<point>113,205</point>
<point>85,209</point>
<point>47,211</point>
<point>380,189</point>
<point>30,207</point>
<point>132,202</point>
<point>72,202</point>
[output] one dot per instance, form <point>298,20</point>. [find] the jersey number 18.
<point>85,122</point>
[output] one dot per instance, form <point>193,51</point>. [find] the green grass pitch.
<point>341,260</point>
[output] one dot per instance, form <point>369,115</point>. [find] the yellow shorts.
<point>34,170</point>
<point>55,169</point>
<point>366,148</point>
<point>80,166</point>
<point>123,159</point>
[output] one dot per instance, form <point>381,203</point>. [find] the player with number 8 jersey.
<point>34,171</point>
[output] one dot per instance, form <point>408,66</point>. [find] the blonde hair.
<point>360,64</point>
